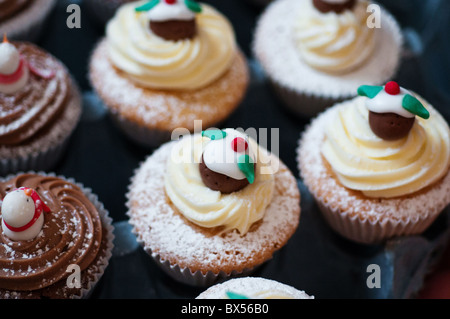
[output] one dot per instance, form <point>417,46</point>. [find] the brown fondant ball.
<point>390,126</point>
<point>220,182</point>
<point>325,7</point>
<point>174,29</point>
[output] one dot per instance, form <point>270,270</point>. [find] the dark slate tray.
<point>316,259</point>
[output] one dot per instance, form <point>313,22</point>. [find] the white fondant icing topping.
<point>387,103</point>
<point>220,157</point>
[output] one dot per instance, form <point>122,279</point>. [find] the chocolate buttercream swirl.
<point>10,7</point>
<point>72,234</point>
<point>33,109</point>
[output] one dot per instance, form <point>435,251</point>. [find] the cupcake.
<point>40,106</point>
<point>212,205</point>
<point>103,10</point>
<point>55,239</point>
<point>164,64</point>
<point>378,164</point>
<point>24,19</point>
<point>316,53</point>
<point>252,288</point>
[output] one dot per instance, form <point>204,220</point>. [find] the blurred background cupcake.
<point>205,218</point>
<point>24,19</point>
<point>164,64</point>
<point>253,288</point>
<point>317,52</point>
<point>40,108</point>
<point>56,240</point>
<point>378,164</point>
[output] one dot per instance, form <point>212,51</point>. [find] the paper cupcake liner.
<point>46,158</point>
<point>302,104</point>
<point>144,136</point>
<point>106,223</point>
<point>367,231</point>
<point>28,24</point>
<point>304,90</point>
<point>196,278</point>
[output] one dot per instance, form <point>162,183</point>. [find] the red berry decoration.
<point>392,88</point>
<point>239,145</point>
<point>170,1</point>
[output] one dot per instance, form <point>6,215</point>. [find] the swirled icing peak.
<point>382,168</point>
<point>154,62</point>
<point>333,42</point>
<point>209,208</point>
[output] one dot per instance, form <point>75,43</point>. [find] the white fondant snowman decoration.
<point>14,72</point>
<point>22,214</point>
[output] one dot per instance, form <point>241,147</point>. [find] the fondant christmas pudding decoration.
<point>336,6</point>
<point>15,69</point>
<point>392,110</point>
<point>227,163</point>
<point>172,19</point>
<point>22,214</point>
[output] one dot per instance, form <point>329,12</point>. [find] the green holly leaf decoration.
<point>234,295</point>
<point>193,6</point>
<point>247,167</point>
<point>214,134</point>
<point>148,6</point>
<point>413,105</point>
<point>369,90</point>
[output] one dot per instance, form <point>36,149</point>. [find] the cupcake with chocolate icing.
<point>55,239</point>
<point>212,206</point>
<point>253,288</point>
<point>164,64</point>
<point>378,164</point>
<point>24,19</point>
<point>316,52</point>
<point>40,107</point>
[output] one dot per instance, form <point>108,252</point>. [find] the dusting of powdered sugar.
<point>160,229</point>
<point>161,109</point>
<point>274,47</point>
<point>328,191</point>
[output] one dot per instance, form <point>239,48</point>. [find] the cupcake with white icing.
<point>213,205</point>
<point>378,164</point>
<point>317,52</point>
<point>253,288</point>
<point>164,64</point>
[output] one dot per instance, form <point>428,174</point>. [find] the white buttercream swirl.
<point>156,63</point>
<point>334,42</point>
<point>208,208</point>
